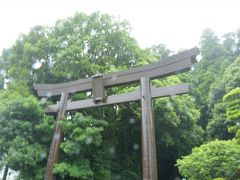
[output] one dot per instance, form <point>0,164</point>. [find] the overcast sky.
<point>176,23</point>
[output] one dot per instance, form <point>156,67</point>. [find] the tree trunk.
<point>5,173</point>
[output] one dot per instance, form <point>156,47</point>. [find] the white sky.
<point>176,23</point>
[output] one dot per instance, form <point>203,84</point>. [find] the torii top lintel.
<point>175,64</point>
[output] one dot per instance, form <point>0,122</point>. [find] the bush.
<point>217,159</point>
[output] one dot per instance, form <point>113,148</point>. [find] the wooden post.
<point>170,66</point>
<point>54,152</point>
<point>149,160</point>
<point>5,173</point>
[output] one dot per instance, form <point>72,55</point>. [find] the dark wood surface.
<point>169,66</point>
<point>149,158</point>
<point>121,98</point>
<point>54,152</point>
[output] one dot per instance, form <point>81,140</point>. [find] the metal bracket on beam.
<point>98,89</point>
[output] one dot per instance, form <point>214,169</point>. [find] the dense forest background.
<point>105,143</point>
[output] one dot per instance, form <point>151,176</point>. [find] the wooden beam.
<point>121,98</point>
<point>169,66</point>
<point>54,152</point>
<point>149,158</point>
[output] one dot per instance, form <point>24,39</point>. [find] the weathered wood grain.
<point>54,152</point>
<point>149,157</point>
<point>169,66</point>
<point>121,98</point>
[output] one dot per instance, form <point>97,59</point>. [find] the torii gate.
<point>170,66</point>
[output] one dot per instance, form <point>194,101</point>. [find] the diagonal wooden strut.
<point>54,152</point>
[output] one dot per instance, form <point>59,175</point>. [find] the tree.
<point>230,44</point>
<point>29,59</point>
<point>157,52</point>
<point>74,48</point>
<point>177,131</point>
<point>2,73</point>
<point>82,46</point>
<point>231,77</point>
<point>209,79</point>
<point>216,159</point>
<point>218,125</point>
<point>83,139</point>
<point>25,130</point>
<point>77,47</point>
<point>93,44</point>
<point>232,100</point>
<point>210,46</point>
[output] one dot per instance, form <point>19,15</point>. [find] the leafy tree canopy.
<point>233,110</point>
<point>24,132</point>
<point>108,142</point>
<point>217,159</point>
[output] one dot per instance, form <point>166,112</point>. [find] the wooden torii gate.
<point>170,66</point>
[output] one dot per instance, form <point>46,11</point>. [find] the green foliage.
<point>82,129</point>
<point>230,43</point>
<point>21,59</point>
<point>77,47</point>
<point>83,137</point>
<point>232,100</point>
<point>79,170</point>
<point>210,47</point>
<point>20,144</point>
<point>217,128</point>
<point>215,75</point>
<point>157,52</point>
<point>232,76</point>
<point>176,128</point>
<point>85,45</point>
<point>213,160</point>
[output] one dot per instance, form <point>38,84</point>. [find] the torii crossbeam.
<point>170,66</point>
